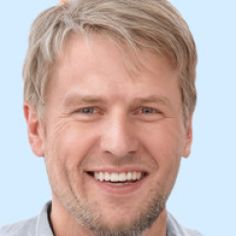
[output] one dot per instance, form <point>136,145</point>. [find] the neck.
<point>64,224</point>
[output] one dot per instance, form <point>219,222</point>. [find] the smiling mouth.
<point>118,177</point>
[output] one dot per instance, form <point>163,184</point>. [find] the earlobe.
<point>35,130</point>
<point>188,139</point>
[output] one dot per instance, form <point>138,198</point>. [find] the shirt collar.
<point>43,224</point>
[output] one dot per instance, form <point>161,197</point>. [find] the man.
<point>109,96</point>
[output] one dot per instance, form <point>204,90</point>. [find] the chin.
<point>121,219</point>
<point>127,221</point>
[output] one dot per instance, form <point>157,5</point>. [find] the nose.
<point>118,137</point>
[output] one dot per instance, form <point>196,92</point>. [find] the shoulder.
<point>190,232</point>
<point>175,229</point>
<point>22,228</point>
<point>36,226</point>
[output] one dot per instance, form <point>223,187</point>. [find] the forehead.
<point>100,64</point>
<point>94,72</point>
<point>95,46</point>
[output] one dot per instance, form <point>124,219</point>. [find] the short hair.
<point>147,24</point>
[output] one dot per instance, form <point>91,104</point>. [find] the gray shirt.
<point>40,226</point>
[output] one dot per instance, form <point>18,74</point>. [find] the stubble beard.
<point>88,217</point>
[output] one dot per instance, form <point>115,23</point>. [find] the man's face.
<point>112,138</point>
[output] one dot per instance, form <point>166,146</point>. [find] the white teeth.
<point>118,177</point>
<point>114,177</point>
<point>138,175</point>
<point>129,176</point>
<point>134,176</point>
<point>102,176</point>
<point>122,177</point>
<point>107,176</point>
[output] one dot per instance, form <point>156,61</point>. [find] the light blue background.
<point>204,195</point>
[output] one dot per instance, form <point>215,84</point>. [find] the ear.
<point>35,130</point>
<point>188,138</point>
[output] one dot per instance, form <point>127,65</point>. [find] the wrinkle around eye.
<point>59,127</point>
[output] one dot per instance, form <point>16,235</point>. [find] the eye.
<point>148,110</point>
<point>149,114</point>
<point>87,113</point>
<point>87,110</point>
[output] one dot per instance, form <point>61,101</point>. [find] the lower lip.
<point>120,189</point>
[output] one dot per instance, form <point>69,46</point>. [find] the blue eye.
<point>87,114</point>
<point>148,114</point>
<point>148,110</point>
<point>87,110</point>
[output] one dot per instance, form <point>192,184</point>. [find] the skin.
<point>100,116</point>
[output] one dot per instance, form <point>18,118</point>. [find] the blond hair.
<point>146,24</point>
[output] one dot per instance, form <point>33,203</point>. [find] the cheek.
<point>164,143</point>
<point>69,142</point>
<point>67,146</point>
<point>165,139</point>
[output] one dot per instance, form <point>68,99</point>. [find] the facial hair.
<point>86,216</point>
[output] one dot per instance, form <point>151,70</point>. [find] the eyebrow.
<point>75,99</point>
<point>153,99</point>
